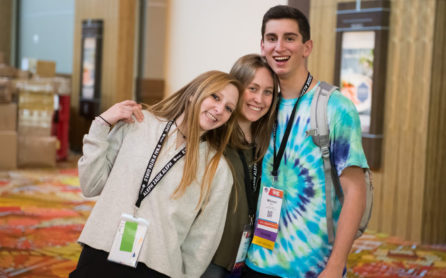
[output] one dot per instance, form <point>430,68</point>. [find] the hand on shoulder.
<point>124,111</point>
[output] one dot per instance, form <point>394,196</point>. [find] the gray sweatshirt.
<point>181,239</point>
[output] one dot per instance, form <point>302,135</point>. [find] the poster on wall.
<point>88,68</point>
<point>357,72</point>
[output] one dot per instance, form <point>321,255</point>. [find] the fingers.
<point>137,112</point>
<point>124,111</point>
<point>129,102</point>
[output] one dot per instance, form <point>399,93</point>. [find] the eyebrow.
<point>258,85</point>
<point>231,104</point>
<point>291,34</point>
<point>286,34</point>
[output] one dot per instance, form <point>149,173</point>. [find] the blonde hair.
<point>188,101</point>
<point>244,69</point>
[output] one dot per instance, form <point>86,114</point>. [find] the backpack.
<point>320,135</point>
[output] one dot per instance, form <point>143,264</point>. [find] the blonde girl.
<point>182,209</point>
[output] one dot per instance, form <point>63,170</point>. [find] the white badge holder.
<point>128,240</point>
<point>267,225</point>
<point>245,241</point>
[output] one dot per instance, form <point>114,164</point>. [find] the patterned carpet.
<point>42,213</point>
<point>381,256</point>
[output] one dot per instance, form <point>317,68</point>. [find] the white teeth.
<point>255,108</point>
<point>210,116</point>
<point>282,58</point>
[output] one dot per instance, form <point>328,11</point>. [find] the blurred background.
<point>64,61</point>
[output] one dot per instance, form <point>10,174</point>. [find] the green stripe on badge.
<point>128,237</point>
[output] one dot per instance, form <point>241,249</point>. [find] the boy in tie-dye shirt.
<point>301,248</point>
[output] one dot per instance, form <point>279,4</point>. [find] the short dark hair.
<point>283,11</point>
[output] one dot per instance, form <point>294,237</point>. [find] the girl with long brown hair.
<point>248,145</point>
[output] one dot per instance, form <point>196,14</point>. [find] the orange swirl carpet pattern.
<point>42,213</point>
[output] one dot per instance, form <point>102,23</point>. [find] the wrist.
<point>336,267</point>
<point>104,121</point>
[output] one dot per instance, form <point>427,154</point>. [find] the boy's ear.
<point>308,48</point>
<point>262,50</point>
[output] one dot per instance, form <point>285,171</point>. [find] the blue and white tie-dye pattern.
<point>302,248</point>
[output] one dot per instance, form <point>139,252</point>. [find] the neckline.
<point>292,101</point>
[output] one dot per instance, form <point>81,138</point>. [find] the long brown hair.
<point>244,69</point>
<point>188,101</point>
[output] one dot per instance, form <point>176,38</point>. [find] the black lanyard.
<point>147,187</point>
<point>278,156</point>
<point>250,184</point>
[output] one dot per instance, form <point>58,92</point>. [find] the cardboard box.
<point>23,74</point>
<point>8,116</point>
<point>7,71</point>
<point>45,68</point>
<point>41,68</point>
<point>8,150</point>
<point>5,90</point>
<point>37,151</point>
<point>35,94</point>
<point>35,85</point>
<point>35,122</point>
<point>2,58</point>
<point>35,107</point>
<point>36,101</point>
<point>61,85</point>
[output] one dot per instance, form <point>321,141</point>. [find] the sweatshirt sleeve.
<point>206,231</point>
<point>100,149</point>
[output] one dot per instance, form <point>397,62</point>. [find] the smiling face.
<point>257,97</point>
<point>216,109</point>
<point>283,47</point>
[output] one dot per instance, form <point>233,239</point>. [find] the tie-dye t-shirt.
<point>301,248</point>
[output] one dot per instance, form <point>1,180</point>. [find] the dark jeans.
<point>249,273</point>
<point>215,271</point>
<point>93,263</point>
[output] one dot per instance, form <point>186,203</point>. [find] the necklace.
<point>179,130</point>
<point>182,134</point>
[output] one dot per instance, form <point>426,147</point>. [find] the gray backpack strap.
<point>320,134</point>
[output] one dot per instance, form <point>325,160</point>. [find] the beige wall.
<point>210,34</point>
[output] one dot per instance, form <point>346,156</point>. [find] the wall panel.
<point>434,210</point>
<point>323,25</point>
